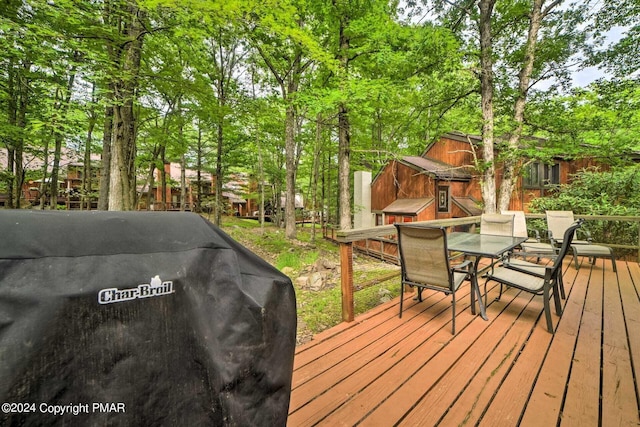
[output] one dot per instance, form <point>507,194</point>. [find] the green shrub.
<point>615,192</point>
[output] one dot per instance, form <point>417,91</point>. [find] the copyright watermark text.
<point>59,410</point>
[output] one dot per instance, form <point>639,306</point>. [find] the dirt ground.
<point>317,284</point>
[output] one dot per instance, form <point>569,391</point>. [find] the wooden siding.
<point>382,370</point>
<point>450,151</point>
<point>397,180</point>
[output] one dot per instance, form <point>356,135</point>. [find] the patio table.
<point>478,246</point>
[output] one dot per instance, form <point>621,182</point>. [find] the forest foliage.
<point>300,93</point>
<point>595,192</point>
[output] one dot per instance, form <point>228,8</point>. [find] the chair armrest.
<point>536,234</point>
<point>464,267</point>
<point>533,233</point>
<point>587,233</point>
<point>457,255</point>
<point>543,269</point>
<point>552,239</point>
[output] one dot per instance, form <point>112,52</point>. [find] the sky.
<point>582,78</point>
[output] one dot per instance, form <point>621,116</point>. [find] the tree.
<point>532,40</point>
<point>600,121</point>
<point>221,55</point>
<point>286,61</point>
<point>621,57</point>
<point>126,18</point>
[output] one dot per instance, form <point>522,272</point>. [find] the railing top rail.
<point>348,236</point>
<point>353,235</point>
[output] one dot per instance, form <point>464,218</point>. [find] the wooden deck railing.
<point>346,238</point>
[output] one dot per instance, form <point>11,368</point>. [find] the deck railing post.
<point>346,280</point>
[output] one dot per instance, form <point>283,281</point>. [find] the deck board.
<point>382,370</point>
<point>582,398</point>
<point>630,296</point>
<point>618,391</point>
<point>546,400</point>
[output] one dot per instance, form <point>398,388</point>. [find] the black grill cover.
<point>146,318</point>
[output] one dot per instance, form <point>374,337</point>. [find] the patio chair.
<point>557,220</point>
<point>533,246</point>
<point>424,261</point>
<point>538,279</point>
<point>496,224</point>
<point>557,223</point>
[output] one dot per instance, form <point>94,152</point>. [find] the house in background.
<point>70,179</point>
<point>235,191</point>
<point>443,183</point>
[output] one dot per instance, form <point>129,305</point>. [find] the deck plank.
<point>618,391</point>
<point>382,370</point>
<point>545,402</point>
<point>583,394</point>
<point>486,360</point>
<point>402,345</point>
<point>510,400</point>
<point>631,305</point>
<point>412,382</point>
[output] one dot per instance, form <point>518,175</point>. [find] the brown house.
<point>443,183</point>
<point>234,195</point>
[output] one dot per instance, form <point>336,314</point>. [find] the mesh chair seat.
<point>533,246</point>
<point>593,251</point>
<point>522,280</point>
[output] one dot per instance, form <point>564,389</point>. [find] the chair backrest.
<point>558,222</point>
<point>423,255</point>
<point>496,224</point>
<point>519,223</point>
<point>567,238</point>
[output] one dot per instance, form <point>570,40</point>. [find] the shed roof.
<point>408,206</point>
<point>440,170</point>
<point>468,204</point>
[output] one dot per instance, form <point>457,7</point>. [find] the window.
<point>443,199</point>
<point>540,175</point>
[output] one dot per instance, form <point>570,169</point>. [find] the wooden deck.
<point>382,371</point>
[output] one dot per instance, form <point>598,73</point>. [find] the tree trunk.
<point>122,156</point>
<point>55,168</point>
<point>105,171</point>
<point>183,183</point>
<point>289,81</point>
<point>21,122</point>
<point>511,173</point>
<point>198,199</point>
<point>17,99</point>
<point>344,137</point>
<point>151,183</point>
<point>486,91</point>
<point>344,159</point>
<point>123,145</point>
<point>42,190</point>
<point>290,162</point>
<point>315,173</point>
<point>163,177</point>
<point>219,176</point>
<point>86,169</point>
<point>61,107</point>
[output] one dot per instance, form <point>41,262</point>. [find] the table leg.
<point>475,290</point>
